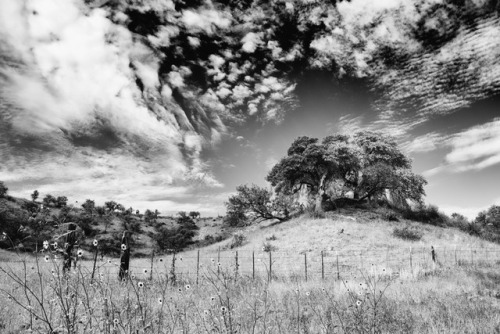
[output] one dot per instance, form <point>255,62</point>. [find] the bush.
<point>85,222</point>
<point>426,214</point>
<point>235,219</point>
<point>176,238</point>
<point>389,215</point>
<point>267,247</point>
<point>3,189</point>
<point>408,233</point>
<point>11,222</point>
<point>238,240</point>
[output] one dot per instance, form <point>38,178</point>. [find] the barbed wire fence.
<point>303,266</point>
<point>308,266</point>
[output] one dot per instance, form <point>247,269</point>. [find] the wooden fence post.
<point>236,265</point>
<point>152,261</point>
<point>69,243</point>
<point>270,267</point>
<point>322,267</point>
<point>305,265</point>
<point>253,264</point>
<point>95,262</point>
<point>411,263</point>
<point>218,262</point>
<point>338,271</point>
<point>125,256</point>
<point>197,265</point>
<point>456,261</point>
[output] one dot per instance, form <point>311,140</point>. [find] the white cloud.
<point>427,142</point>
<point>206,19</point>
<point>250,42</point>
<point>477,147</point>
<point>241,92</point>
<point>75,77</point>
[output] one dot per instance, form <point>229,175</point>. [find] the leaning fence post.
<point>322,267</point>
<point>305,265</point>
<point>125,256</point>
<point>68,246</point>
<point>472,256</point>
<point>95,260</point>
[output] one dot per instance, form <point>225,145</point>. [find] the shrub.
<point>85,222</point>
<point>176,238</point>
<point>238,240</point>
<point>30,206</point>
<point>234,218</point>
<point>389,215</point>
<point>426,214</point>
<point>273,237</point>
<point>267,247</point>
<point>3,189</point>
<point>408,233</point>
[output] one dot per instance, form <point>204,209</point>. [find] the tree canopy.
<point>367,164</point>
<point>258,203</point>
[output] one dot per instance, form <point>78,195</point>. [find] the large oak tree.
<point>367,164</point>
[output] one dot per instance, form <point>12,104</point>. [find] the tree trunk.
<point>319,196</point>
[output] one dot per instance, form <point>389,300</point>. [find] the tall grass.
<point>38,296</point>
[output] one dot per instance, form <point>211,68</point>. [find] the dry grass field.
<point>373,287</point>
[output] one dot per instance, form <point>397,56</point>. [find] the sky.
<point>170,105</point>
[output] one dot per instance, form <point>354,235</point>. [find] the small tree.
<point>3,189</point>
<point>490,217</point>
<point>61,201</point>
<point>110,206</point>
<point>35,195</point>
<point>253,201</point>
<point>194,214</point>
<point>151,216</point>
<point>101,211</point>
<point>49,200</point>
<point>89,207</point>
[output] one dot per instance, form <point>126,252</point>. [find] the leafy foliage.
<point>3,189</point>
<point>257,203</point>
<point>367,164</point>
<point>34,195</point>
<point>408,233</point>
